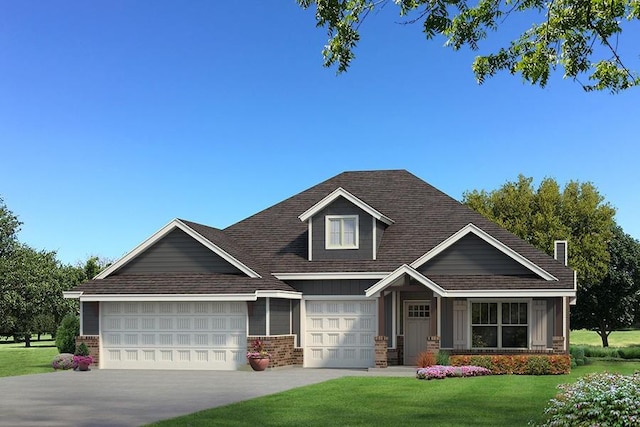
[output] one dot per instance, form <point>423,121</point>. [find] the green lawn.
<point>508,400</point>
<point>15,359</point>
<point>616,339</point>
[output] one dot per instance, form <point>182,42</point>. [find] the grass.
<point>616,339</point>
<point>15,359</point>
<point>506,400</point>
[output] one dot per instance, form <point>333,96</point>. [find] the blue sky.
<point>118,116</point>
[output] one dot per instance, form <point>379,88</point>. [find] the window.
<point>342,232</point>
<point>499,324</point>
<point>415,311</point>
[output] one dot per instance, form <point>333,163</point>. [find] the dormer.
<point>343,227</point>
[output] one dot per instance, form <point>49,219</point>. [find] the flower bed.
<point>440,372</point>
<point>526,364</point>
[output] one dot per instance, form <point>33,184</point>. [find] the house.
<point>366,269</point>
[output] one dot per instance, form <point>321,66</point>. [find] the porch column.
<point>381,340</point>
<point>381,314</point>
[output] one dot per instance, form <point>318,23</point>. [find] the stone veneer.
<point>558,344</point>
<point>381,351</point>
<point>433,344</point>
<point>93,343</point>
<point>282,349</point>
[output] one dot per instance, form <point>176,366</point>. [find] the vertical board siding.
<point>551,321</point>
<point>279,316</point>
<point>258,317</point>
<point>342,206</point>
<point>90,318</point>
<point>446,316</point>
<point>539,325</point>
<point>177,252</point>
<point>332,287</point>
<point>471,256</point>
<point>460,324</point>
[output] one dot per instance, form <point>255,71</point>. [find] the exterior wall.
<point>295,320</point>
<point>380,227</point>
<point>93,343</point>
<point>279,316</point>
<point>90,318</point>
<point>342,206</point>
<point>381,351</point>
<point>332,287</point>
<point>177,252</point>
<point>473,256</point>
<point>257,317</point>
<point>281,348</point>
<point>446,319</point>
<point>388,315</point>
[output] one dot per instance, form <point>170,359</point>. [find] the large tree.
<point>577,213</point>
<point>581,36</point>
<point>610,304</point>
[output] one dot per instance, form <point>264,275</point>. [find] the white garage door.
<point>340,334</point>
<point>174,335</point>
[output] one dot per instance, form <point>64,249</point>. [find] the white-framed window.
<point>342,232</point>
<point>499,324</point>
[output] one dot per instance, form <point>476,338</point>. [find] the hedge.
<point>526,364</point>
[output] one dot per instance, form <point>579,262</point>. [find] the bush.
<point>592,351</point>
<point>66,334</point>
<point>442,358</point>
<point>63,361</point>
<point>596,399</point>
<point>425,359</point>
<point>82,350</point>
<point>441,372</point>
<point>629,352</point>
<point>578,354</point>
<point>517,364</point>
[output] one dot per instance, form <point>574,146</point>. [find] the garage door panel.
<point>340,334</point>
<point>178,335</point>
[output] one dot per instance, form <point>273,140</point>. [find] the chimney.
<point>560,252</point>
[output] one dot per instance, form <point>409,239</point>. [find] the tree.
<point>577,214</point>
<point>9,227</point>
<point>581,36</point>
<point>611,303</point>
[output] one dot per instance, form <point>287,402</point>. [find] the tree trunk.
<point>27,340</point>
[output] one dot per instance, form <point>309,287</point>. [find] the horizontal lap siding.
<point>90,318</point>
<point>332,287</point>
<point>470,256</point>
<point>258,317</point>
<point>178,252</point>
<point>279,316</point>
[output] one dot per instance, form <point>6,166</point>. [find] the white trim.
<point>326,201</point>
<point>373,231</point>
<point>279,294</point>
<point>310,243</point>
<point>82,317</point>
<point>564,323</point>
<point>471,228</point>
<point>439,316</point>
<point>267,316</point>
<point>565,261</point>
<point>341,218</point>
<point>71,294</point>
<point>330,275</point>
<point>335,298</point>
<point>303,322</point>
<point>394,322</point>
<point>376,289</point>
<point>176,223</point>
<point>170,297</point>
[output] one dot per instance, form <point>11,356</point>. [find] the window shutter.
<point>539,325</point>
<point>460,326</point>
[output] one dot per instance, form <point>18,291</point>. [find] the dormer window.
<point>342,232</point>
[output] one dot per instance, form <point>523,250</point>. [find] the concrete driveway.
<point>132,398</point>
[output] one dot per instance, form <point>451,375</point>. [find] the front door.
<point>416,329</point>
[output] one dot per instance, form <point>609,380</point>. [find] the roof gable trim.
<point>157,236</point>
<point>471,228</point>
<point>341,192</point>
<point>376,289</point>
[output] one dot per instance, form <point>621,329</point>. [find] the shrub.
<point>441,372</point>
<point>425,359</point>
<point>596,399</point>
<point>82,350</point>
<point>63,361</point>
<point>593,351</point>
<point>442,358</point>
<point>66,334</point>
<point>630,352</point>
<point>578,354</point>
<point>517,364</point>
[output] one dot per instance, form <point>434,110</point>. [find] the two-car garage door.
<point>339,334</point>
<point>174,335</point>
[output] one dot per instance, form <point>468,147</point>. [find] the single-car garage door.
<point>174,335</point>
<point>340,334</point>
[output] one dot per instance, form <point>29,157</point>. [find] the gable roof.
<point>473,229</point>
<point>207,239</point>
<point>341,192</point>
